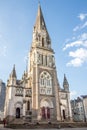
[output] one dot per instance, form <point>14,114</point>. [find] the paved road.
<point>1,128</point>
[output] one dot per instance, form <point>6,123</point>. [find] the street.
<point>2,128</point>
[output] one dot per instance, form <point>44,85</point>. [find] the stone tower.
<point>42,71</point>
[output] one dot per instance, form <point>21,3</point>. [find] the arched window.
<point>42,42</point>
<point>28,105</point>
<point>17,112</point>
<point>45,83</point>
<point>64,116</point>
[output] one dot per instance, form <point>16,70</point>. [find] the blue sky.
<point>66,22</point>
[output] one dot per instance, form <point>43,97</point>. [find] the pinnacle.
<point>13,74</point>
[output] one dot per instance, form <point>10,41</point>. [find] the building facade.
<point>79,109</point>
<point>38,95</point>
<point>84,97</point>
<point>2,98</point>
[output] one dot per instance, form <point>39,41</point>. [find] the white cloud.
<point>82,41</point>
<point>79,27</point>
<point>78,42</point>
<point>76,28</point>
<point>79,57</point>
<point>79,53</point>
<point>75,62</point>
<point>84,25</point>
<point>72,44</point>
<point>82,16</point>
<point>73,94</point>
<point>83,36</point>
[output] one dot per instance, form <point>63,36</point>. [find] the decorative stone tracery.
<point>45,83</point>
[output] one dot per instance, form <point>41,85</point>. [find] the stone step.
<point>17,121</point>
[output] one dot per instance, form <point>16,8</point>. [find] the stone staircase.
<point>46,125</point>
<point>17,121</point>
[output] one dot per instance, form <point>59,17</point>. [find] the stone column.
<point>24,103</point>
<point>69,107</point>
<point>37,91</point>
<point>56,87</point>
<point>24,114</point>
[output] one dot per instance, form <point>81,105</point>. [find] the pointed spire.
<point>38,2</point>
<point>65,79</point>
<point>65,83</point>
<point>40,23</point>
<point>13,74</point>
<point>40,33</point>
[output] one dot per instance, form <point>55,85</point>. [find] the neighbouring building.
<point>38,95</point>
<point>2,99</point>
<point>79,108</point>
<point>85,107</point>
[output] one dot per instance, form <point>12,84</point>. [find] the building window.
<point>28,93</point>
<point>64,117</point>
<point>19,92</point>
<point>46,59</point>
<point>45,83</point>
<point>42,42</point>
<point>28,105</point>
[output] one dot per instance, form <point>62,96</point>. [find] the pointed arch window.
<point>46,59</point>
<point>45,83</point>
<point>28,105</point>
<point>42,42</point>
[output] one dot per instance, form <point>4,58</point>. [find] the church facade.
<point>38,95</point>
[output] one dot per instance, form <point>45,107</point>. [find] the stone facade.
<point>79,109</point>
<point>38,95</point>
<point>2,98</point>
<point>85,107</point>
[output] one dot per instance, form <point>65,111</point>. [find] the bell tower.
<point>42,53</point>
<point>42,72</point>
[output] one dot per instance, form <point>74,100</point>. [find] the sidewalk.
<point>2,127</point>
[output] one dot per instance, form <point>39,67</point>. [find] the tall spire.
<point>40,23</point>
<point>65,83</point>
<point>13,73</point>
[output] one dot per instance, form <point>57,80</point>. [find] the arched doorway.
<point>17,112</point>
<point>46,108</point>
<point>64,117</point>
<point>45,112</point>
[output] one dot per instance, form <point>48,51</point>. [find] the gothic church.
<point>38,95</point>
